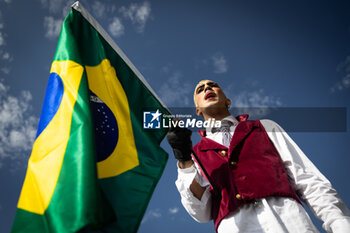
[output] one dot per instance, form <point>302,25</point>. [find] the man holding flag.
<point>249,176</point>
<point>92,165</point>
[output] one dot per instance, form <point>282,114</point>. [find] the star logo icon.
<point>156,115</point>
<point>151,119</point>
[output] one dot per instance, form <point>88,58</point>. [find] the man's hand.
<point>180,140</point>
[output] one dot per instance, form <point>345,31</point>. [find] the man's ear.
<point>228,103</point>
<point>198,112</point>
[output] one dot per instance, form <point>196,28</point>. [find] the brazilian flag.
<point>93,166</point>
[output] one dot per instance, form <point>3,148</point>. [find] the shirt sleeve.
<point>312,187</point>
<point>200,210</point>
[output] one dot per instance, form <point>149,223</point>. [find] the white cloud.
<point>139,14</point>
<point>2,34</point>
<point>44,3</point>
<point>58,9</point>
<point>256,103</point>
<point>254,99</point>
<point>173,210</point>
<point>345,65</point>
<point>17,126</point>
<point>175,92</point>
<point>151,214</point>
<point>219,63</point>
<point>116,28</point>
<point>155,213</point>
<point>2,39</point>
<point>67,7</point>
<point>98,8</point>
<point>344,83</point>
<point>166,68</point>
<point>3,89</point>
<point>52,27</point>
<point>6,56</point>
<point>54,6</point>
<point>6,70</point>
<point>57,6</point>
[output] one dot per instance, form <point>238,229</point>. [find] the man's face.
<point>209,94</point>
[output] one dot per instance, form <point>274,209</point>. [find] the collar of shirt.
<point>228,118</point>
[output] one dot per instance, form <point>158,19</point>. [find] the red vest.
<point>250,168</point>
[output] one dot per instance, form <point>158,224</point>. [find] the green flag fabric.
<point>93,165</point>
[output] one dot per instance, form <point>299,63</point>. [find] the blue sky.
<point>290,54</point>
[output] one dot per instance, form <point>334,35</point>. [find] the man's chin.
<point>213,106</point>
<point>208,105</point>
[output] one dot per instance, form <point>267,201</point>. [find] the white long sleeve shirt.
<point>273,214</point>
